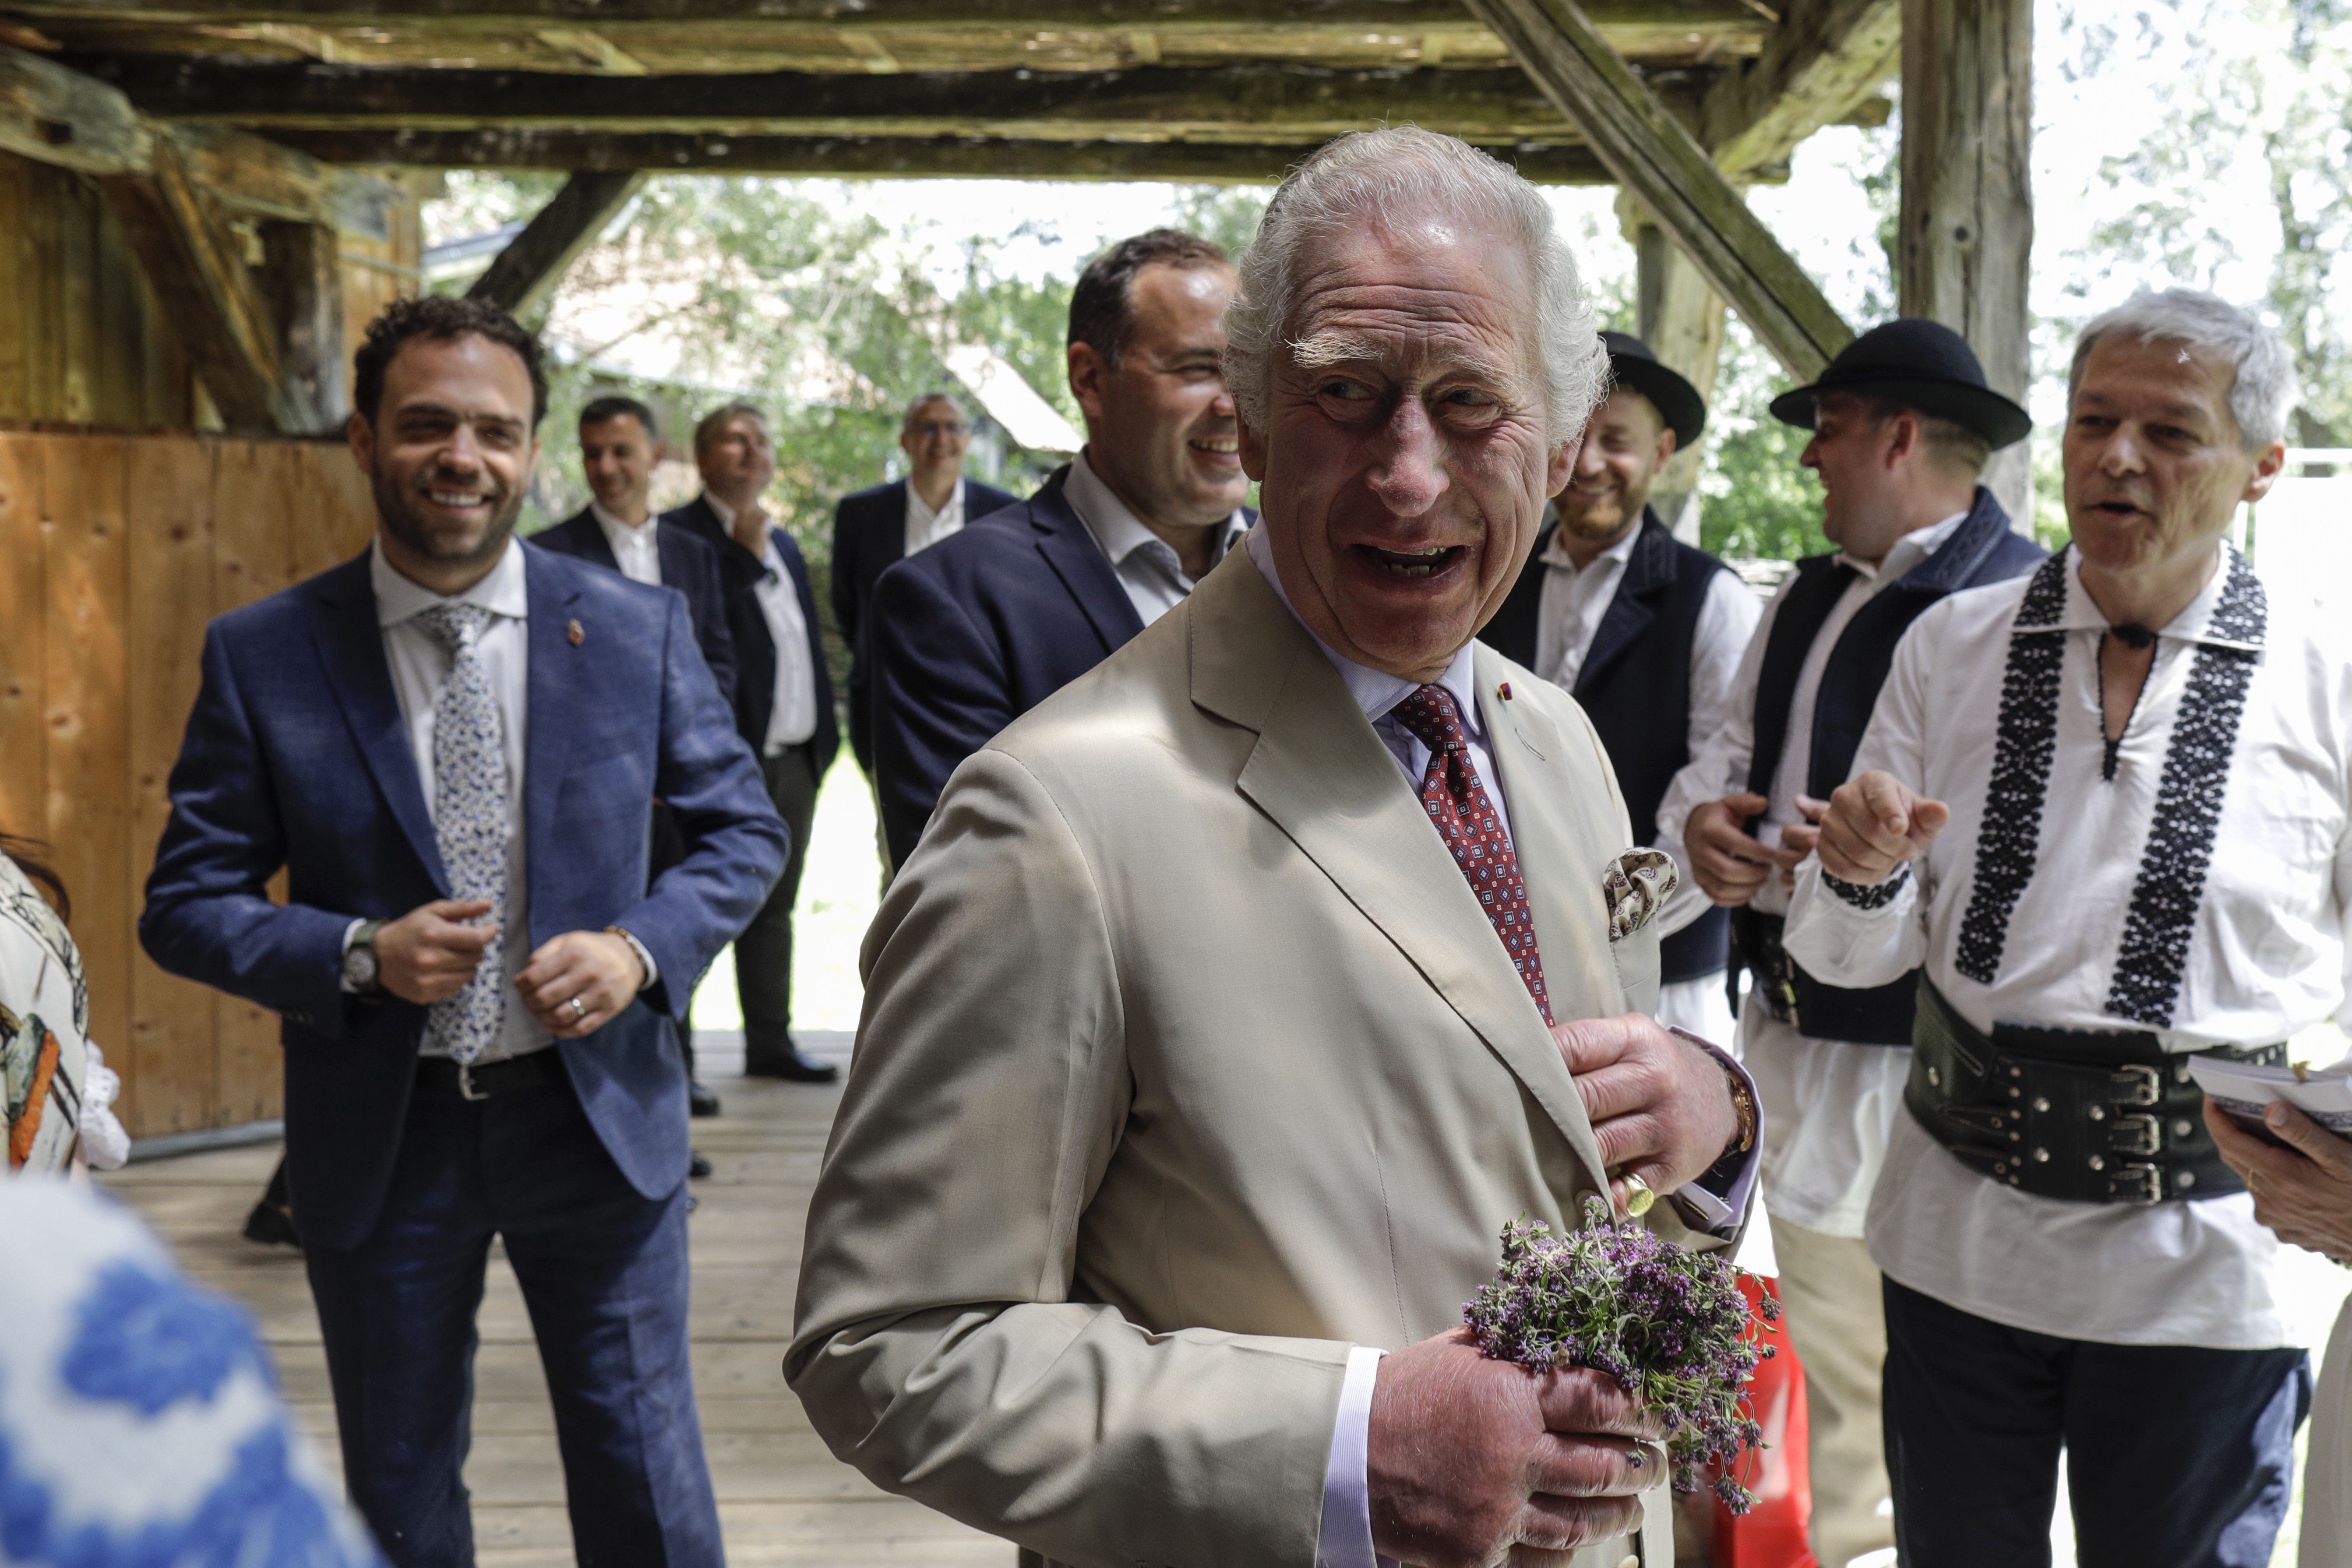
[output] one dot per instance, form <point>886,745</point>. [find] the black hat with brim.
<point>1676,400</point>
<point>1920,364</point>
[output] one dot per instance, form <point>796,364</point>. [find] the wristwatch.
<point>360,970</point>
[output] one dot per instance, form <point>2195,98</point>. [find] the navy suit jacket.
<point>975,631</point>
<point>869,537</point>
<point>688,565</point>
<point>295,757</point>
<point>755,646</point>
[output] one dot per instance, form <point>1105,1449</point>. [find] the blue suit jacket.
<point>975,631</point>
<point>755,648</point>
<point>296,757</point>
<point>688,565</point>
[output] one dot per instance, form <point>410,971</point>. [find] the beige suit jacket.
<point>1189,1059</point>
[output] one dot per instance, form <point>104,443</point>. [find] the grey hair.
<point>1382,175</point>
<point>934,395</point>
<point>2265,390</point>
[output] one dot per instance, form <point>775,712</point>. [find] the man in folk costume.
<point>2102,811</point>
<point>1902,423</point>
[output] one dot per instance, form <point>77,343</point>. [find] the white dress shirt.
<point>2234,933</point>
<point>925,527</point>
<point>420,668</point>
<point>793,718</point>
<point>1830,1103</point>
<point>1148,565</point>
<point>636,551</point>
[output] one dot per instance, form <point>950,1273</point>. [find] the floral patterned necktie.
<point>469,820</point>
<point>1465,818</point>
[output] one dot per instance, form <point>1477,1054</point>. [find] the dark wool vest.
<point>1982,550</point>
<point>1635,686</point>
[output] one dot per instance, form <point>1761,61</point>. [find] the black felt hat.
<point>1676,400</point>
<point>1921,364</point>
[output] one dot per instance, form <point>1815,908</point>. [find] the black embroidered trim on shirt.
<point>2188,794</point>
<point>2010,837</point>
<point>1873,897</point>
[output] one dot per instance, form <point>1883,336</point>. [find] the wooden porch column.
<point>1968,194</point>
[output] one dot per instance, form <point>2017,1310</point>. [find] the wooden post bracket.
<point>1652,155</point>
<point>527,271</point>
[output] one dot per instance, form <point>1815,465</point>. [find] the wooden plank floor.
<point>782,1499</point>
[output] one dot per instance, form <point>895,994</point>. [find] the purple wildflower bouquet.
<point>1670,1324</point>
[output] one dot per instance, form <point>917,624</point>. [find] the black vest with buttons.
<point>1635,686</point>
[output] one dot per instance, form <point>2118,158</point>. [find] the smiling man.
<point>983,625</point>
<point>450,745</point>
<point>1243,990</point>
<point>2102,811</point>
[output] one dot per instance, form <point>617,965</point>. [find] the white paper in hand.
<point>2241,1088</point>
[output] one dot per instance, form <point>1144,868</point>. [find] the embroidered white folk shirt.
<point>2196,886</point>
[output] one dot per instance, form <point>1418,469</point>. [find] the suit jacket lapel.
<point>554,687</point>
<point>599,549</point>
<point>1322,776</point>
<point>1069,548</point>
<point>350,647</point>
<point>1650,568</point>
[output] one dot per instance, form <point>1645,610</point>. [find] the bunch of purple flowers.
<point>1670,1324</point>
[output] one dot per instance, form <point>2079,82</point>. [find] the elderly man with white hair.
<point>2105,806</point>
<point>1240,992</point>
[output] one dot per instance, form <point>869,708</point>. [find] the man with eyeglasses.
<point>877,528</point>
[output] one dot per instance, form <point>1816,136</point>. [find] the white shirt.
<point>793,718</point>
<point>2260,952</point>
<point>1148,565</point>
<point>636,551</point>
<point>925,527</point>
<point>420,668</point>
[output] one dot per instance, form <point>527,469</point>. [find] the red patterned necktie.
<point>1466,820</point>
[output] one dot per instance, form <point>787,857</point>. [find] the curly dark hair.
<point>1102,305</point>
<point>25,853</point>
<point>442,317</point>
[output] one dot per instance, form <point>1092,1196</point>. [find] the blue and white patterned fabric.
<point>470,818</point>
<point>140,1422</point>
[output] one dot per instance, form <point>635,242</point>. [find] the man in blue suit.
<point>784,705</point>
<point>450,745</point>
<point>980,628</point>
<point>874,530</point>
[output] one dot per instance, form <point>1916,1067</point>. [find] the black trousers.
<point>2176,1456</point>
<point>763,953</point>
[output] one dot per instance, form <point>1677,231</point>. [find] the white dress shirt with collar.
<point>925,527</point>
<point>1148,565</point>
<point>2196,886</point>
<point>792,720</point>
<point>1833,1103</point>
<point>420,668</point>
<point>636,551</point>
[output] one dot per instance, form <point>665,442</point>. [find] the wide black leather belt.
<point>2089,1116</point>
<point>1875,1015</point>
<point>484,1079</point>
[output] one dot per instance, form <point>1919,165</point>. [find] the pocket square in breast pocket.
<point>1637,885</point>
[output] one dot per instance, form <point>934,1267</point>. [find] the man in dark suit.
<point>874,529</point>
<point>784,705</point>
<point>450,745</point>
<point>620,447</point>
<point>1644,631</point>
<point>980,628</point>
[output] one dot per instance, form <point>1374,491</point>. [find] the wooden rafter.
<point>1410,15</point>
<point>1828,59</point>
<point>534,261</point>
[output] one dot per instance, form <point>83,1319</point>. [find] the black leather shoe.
<point>272,1226</point>
<point>697,1165</point>
<point>787,1063</point>
<point>700,1101</point>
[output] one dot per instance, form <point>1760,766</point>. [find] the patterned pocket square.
<point>1637,885</point>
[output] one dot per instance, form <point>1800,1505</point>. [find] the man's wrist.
<point>645,956</point>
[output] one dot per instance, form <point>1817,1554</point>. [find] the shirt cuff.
<point>1717,1204</point>
<point>1345,1540</point>
<point>653,970</point>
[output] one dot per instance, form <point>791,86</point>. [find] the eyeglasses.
<point>930,427</point>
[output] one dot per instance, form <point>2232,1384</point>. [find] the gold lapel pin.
<point>574,633</point>
<point>1504,691</point>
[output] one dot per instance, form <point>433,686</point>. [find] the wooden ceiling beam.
<point>534,261</point>
<point>1162,15</point>
<point>872,157</point>
<point>1822,67</point>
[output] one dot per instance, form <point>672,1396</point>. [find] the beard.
<point>1607,516</point>
<point>396,506</point>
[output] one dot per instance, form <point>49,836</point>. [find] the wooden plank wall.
<point>114,553</point>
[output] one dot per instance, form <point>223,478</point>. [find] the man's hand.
<point>595,969</point>
<point>1801,839</point>
<point>2303,1192</point>
<point>1729,865</point>
<point>1876,823</point>
<point>427,954</point>
<point>1473,1463</point>
<point>1661,1108</point>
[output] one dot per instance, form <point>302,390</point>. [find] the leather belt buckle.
<point>2137,1083</point>
<point>2137,1135</point>
<point>466,1082</point>
<point>2148,1178</point>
